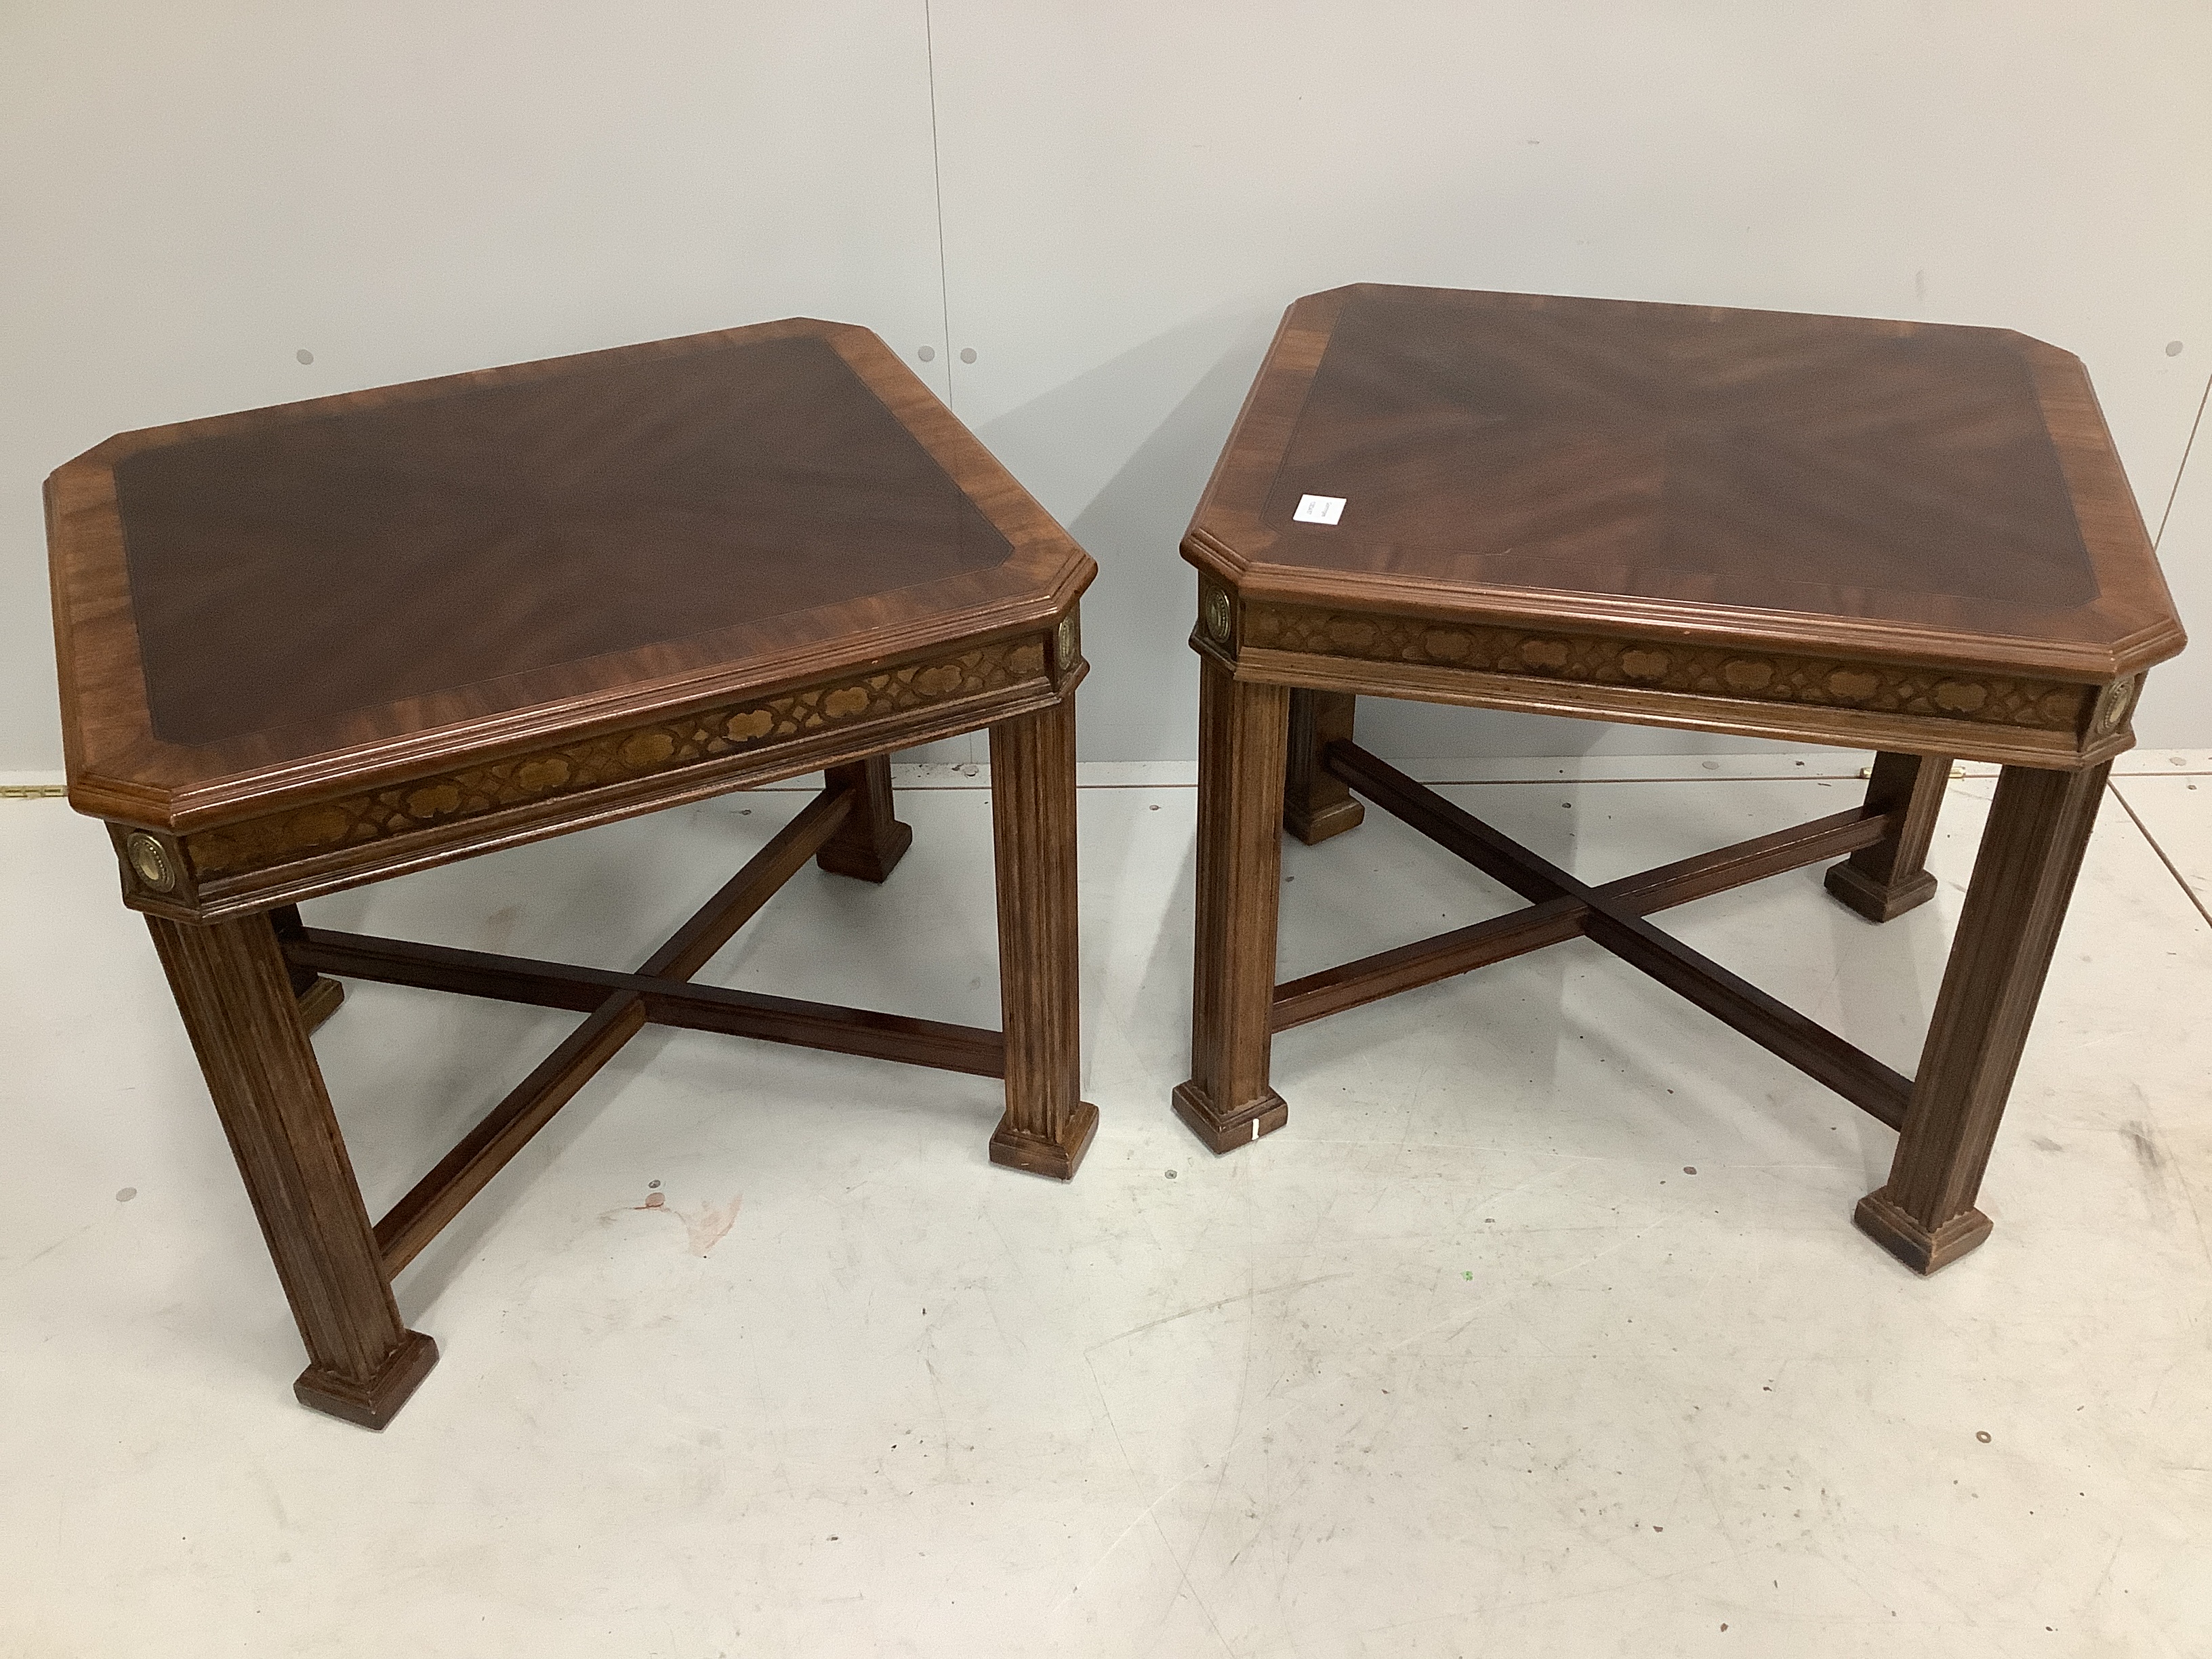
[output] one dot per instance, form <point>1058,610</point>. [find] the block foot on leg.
<point>1883,881</point>
<point>1875,900</point>
<point>1224,1133</point>
<point>319,1001</point>
<point>374,1403</point>
<point>1058,1155</point>
<point>1316,805</point>
<point>1914,1245</point>
<point>871,841</point>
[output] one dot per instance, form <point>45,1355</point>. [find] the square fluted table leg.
<point>1047,1127</point>
<point>235,993</point>
<point>1242,734</point>
<point>2031,853</point>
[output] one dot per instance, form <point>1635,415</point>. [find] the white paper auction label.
<point>1319,509</point>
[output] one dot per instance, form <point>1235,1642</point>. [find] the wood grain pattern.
<point>312,873</point>
<point>1692,711</point>
<point>1763,483</point>
<point>617,1014</point>
<point>1911,537</point>
<point>309,648</point>
<point>1047,1127</point>
<point>631,454</point>
<point>2032,850</point>
<point>1425,962</point>
<point>666,1001</point>
<point>871,841</point>
<point>1316,805</point>
<point>1621,928</point>
<point>319,995</point>
<point>235,993</point>
<point>1242,735</point>
<point>1827,682</point>
<point>499,530</point>
<point>1883,881</point>
<point>695,740</point>
<point>406,1230</point>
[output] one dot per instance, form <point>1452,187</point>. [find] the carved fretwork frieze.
<point>647,751</point>
<point>1595,660</point>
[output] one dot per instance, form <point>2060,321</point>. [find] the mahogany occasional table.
<point>308,648</point>
<point>1906,537</point>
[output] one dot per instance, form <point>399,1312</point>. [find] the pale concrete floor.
<point>1465,1361</point>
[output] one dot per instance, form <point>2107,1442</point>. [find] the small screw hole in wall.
<point>304,355</point>
<point>928,354</point>
<point>968,354</point>
<point>2173,348</point>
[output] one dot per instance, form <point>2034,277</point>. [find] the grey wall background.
<point>1109,203</point>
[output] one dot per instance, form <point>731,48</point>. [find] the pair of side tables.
<point>309,648</point>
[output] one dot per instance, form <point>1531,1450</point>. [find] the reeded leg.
<point>1047,1127</point>
<point>872,840</point>
<point>1241,732</point>
<point>1884,880</point>
<point>1316,804</point>
<point>2038,827</point>
<point>235,993</point>
<point>319,995</point>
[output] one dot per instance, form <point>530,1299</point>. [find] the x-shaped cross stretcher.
<point>619,1006</point>
<point>1612,914</point>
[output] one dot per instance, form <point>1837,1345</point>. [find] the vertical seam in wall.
<point>2170,494</point>
<point>943,285</point>
<point>2171,869</point>
<point>937,178</point>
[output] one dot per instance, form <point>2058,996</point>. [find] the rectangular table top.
<point>1907,490</point>
<point>542,543</point>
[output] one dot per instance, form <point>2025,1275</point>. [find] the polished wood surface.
<point>306,648</point>
<point>1047,1127</point>
<point>1895,535</point>
<point>2031,855</point>
<point>1316,805</point>
<point>1241,754</point>
<point>1751,459</point>
<point>758,535</point>
<point>1914,538</point>
<point>235,991</point>
<point>1564,915</point>
<point>497,530</point>
<point>1619,924</point>
<point>1883,881</point>
<point>871,841</point>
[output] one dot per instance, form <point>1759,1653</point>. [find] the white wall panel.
<point>1133,192</point>
<point>190,194</point>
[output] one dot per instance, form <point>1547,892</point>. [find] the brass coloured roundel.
<point>1216,616</point>
<point>150,862</point>
<point>1064,640</point>
<point>2113,708</point>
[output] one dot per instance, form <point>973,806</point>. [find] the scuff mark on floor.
<point>702,1231</point>
<point>2144,1140</point>
<point>711,1225</point>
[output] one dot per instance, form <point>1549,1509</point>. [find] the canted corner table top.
<point>266,602</point>
<point>1890,491</point>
